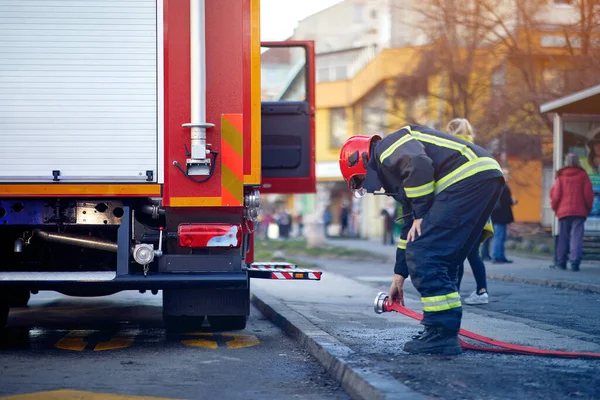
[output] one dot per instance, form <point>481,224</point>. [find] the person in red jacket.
<point>572,198</point>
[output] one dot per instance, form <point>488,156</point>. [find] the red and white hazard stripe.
<point>282,275</point>
<point>291,275</point>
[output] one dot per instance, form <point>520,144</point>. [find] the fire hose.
<point>382,304</point>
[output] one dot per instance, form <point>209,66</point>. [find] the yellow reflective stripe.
<point>441,303</point>
<point>402,244</point>
<point>432,299</point>
<point>443,307</point>
<point>388,152</point>
<point>449,144</point>
<point>419,191</point>
<point>466,170</point>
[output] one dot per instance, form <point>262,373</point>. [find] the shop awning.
<point>584,102</point>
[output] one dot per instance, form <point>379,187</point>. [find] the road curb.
<point>356,375</point>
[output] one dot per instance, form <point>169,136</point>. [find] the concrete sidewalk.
<point>530,270</point>
<point>335,321</point>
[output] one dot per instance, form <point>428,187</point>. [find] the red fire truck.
<point>134,147</point>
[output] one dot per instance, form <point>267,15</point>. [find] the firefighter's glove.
<point>396,293</point>
<point>415,230</point>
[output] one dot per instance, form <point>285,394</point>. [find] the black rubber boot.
<point>575,267</point>
<point>434,341</point>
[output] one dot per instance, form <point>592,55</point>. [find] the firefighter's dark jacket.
<point>422,162</point>
<point>415,163</point>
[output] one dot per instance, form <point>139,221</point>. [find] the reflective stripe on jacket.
<point>424,162</point>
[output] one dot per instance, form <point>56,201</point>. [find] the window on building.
<point>341,73</point>
<point>338,127</point>
<point>359,12</point>
<point>323,75</point>
<point>553,80</point>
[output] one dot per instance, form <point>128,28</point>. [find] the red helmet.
<point>354,156</point>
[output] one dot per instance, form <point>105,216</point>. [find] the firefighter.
<point>449,187</point>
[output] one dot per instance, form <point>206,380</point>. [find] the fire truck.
<point>135,142</point>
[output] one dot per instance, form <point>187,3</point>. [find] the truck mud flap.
<point>282,271</point>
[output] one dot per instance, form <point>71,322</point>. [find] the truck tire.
<point>228,323</point>
<point>19,298</point>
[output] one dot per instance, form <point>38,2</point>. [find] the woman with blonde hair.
<point>462,129</point>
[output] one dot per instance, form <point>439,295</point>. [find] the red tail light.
<point>209,235</point>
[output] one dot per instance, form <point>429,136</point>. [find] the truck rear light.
<point>209,235</point>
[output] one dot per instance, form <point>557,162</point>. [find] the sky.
<point>278,18</point>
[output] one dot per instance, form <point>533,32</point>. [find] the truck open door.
<point>288,117</point>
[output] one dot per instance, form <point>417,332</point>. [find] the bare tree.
<point>496,61</point>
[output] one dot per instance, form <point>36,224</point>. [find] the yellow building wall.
<point>323,150</point>
<point>525,182</point>
<point>388,63</point>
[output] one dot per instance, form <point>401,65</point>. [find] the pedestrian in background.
<point>502,216</point>
<point>344,219</point>
<point>572,199</point>
<point>266,223</point>
<point>388,216</point>
<point>300,223</point>
<point>327,219</point>
<point>462,129</point>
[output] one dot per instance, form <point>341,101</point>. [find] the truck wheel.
<point>177,323</point>
<point>19,298</point>
<point>228,323</point>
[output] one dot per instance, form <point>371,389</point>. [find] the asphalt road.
<point>564,314</point>
<point>118,345</point>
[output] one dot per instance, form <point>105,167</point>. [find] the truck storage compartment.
<point>79,98</point>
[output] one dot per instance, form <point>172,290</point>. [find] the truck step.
<point>284,273</point>
<point>84,276</point>
<point>273,265</point>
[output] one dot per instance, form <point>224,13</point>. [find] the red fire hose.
<point>382,305</point>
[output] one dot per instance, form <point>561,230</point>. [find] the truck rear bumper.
<point>110,281</point>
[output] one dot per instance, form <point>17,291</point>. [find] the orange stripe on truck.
<point>232,168</point>
<point>79,190</point>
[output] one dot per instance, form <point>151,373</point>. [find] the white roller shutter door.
<point>79,90</point>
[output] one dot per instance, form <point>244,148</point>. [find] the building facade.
<point>376,72</point>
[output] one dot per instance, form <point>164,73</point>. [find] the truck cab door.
<point>288,117</point>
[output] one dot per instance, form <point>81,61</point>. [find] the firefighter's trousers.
<point>449,230</point>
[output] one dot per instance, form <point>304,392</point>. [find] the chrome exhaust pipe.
<point>81,241</point>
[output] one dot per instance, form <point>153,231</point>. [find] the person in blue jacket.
<point>449,187</point>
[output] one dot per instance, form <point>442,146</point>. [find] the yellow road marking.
<point>73,340</point>
<point>241,341</point>
<point>76,395</point>
<point>121,341</point>
<point>207,344</point>
<point>211,342</point>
